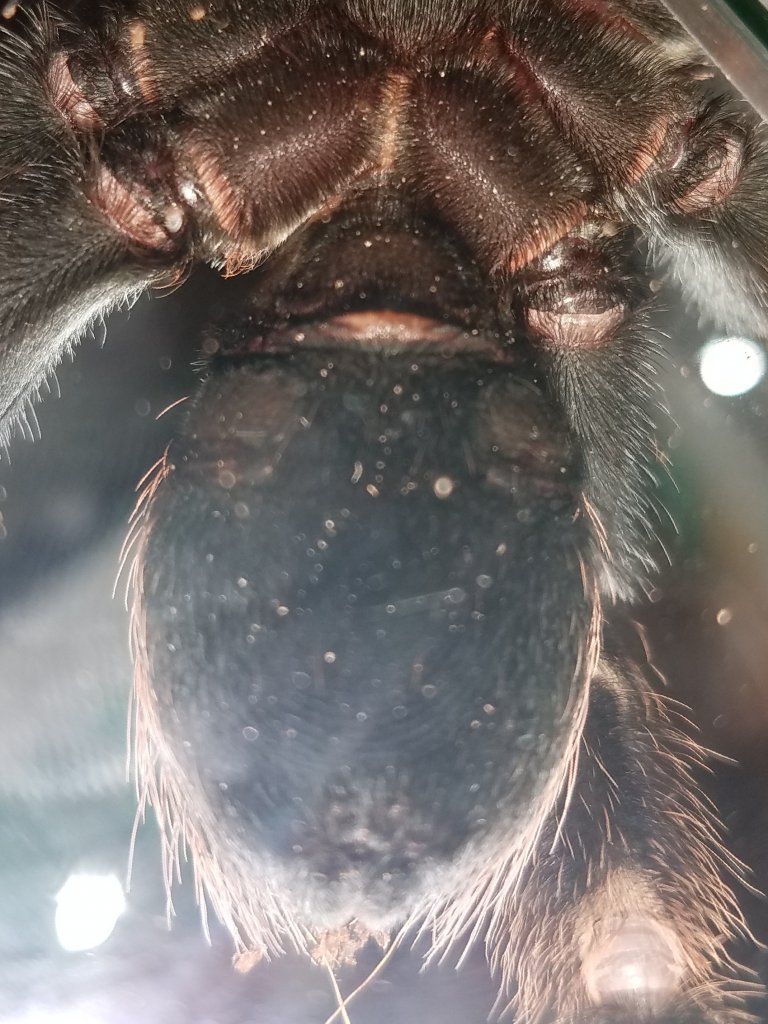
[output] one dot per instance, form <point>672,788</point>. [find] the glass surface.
<point>735,35</point>
<point>67,804</point>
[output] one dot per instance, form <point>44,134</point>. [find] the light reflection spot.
<point>732,366</point>
<point>87,909</point>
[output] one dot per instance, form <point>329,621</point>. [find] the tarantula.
<point>378,576</point>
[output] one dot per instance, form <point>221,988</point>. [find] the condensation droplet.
<point>399,711</point>
<point>484,582</point>
<point>724,616</point>
<point>329,657</point>
<point>443,487</point>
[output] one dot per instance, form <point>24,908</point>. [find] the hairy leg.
<point>74,239</point>
<point>625,900</point>
<point>706,213</point>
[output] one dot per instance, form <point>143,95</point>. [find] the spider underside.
<point>378,574</point>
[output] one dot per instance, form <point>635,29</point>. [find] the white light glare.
<point>76,1013</point>
<point>87,909</point>
<point>732,366</point>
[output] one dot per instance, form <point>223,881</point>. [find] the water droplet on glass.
<point>443,487</point>
<point>301,680</point>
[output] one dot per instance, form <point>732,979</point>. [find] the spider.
<point>380,574</point>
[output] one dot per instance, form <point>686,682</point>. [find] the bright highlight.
<point>87,909</point>
<point>732,366</point>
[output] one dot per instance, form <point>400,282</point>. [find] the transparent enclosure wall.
<point>76,943</point>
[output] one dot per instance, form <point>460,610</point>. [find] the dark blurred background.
<point>67,807</point>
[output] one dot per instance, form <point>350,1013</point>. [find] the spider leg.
<point>706,214</point>
<point>625,901</point>
<point>74,240</point>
